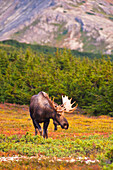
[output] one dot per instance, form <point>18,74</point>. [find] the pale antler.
<point>67,104</point>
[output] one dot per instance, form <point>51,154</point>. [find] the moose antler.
<point>65,107</point>
<point>54,105</point>
<point>67,104</point>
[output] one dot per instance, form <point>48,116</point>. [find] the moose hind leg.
<point>45,126</point>
<point>37,128</point>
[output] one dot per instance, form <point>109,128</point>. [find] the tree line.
<point>88,81</point>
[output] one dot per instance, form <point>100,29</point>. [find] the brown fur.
<point>41,111</point>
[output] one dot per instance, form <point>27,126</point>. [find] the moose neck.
<point>53,114</point>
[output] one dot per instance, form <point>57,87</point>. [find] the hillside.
<point>24,73</point>
<point>13,45</point>
<point>84,25</point>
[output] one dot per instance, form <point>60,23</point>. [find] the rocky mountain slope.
<point>84,25</point>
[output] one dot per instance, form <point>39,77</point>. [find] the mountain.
<point>84,25</point>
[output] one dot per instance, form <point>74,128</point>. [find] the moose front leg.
<point>45,126</point>
<point>37,128</point>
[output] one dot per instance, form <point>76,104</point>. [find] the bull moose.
<point>42,109</point>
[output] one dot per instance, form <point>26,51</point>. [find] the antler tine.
<point>53,99</point>
<point>55,106</point>
<point>73,109</point>
<point>73,103</point>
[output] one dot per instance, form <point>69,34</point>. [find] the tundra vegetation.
<point>88,143</point>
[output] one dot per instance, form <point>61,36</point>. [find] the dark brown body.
<point>42,111</point>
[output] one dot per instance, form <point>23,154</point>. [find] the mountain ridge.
<point>84,25</point>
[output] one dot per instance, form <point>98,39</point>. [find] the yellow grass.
<point>15,119</point>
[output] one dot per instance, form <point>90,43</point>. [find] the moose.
<point>42,109</point>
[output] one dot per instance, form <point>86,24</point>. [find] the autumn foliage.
<point>88,139</point>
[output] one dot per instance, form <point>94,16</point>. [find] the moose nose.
<point>66,125</point>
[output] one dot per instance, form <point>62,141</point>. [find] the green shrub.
<point>88,82</point>
<point>109,154</point>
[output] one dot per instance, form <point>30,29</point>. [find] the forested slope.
<point>25,73</point>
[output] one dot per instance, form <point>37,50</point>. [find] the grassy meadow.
<point>87,144</point>
<point>87,78</point>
